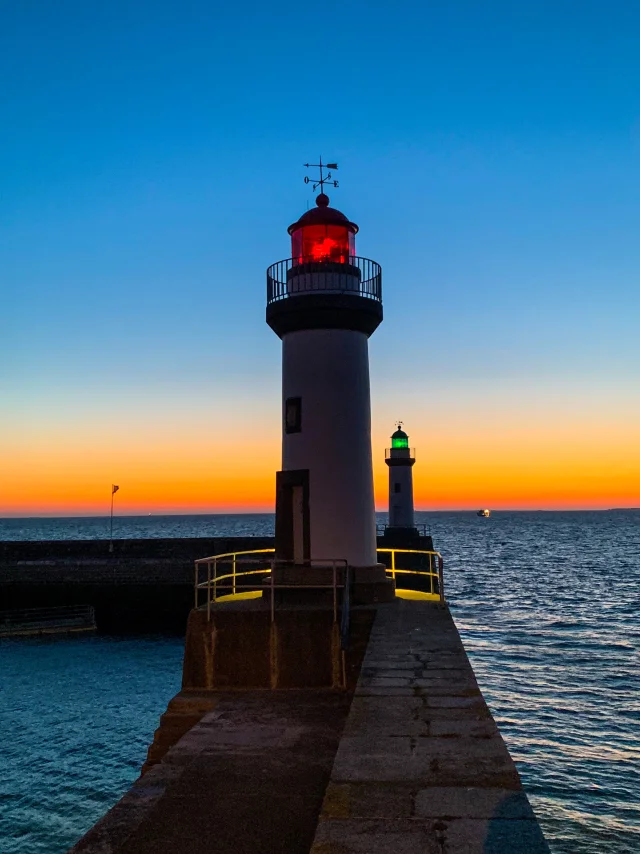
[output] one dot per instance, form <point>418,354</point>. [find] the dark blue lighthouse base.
<point>405,538</point>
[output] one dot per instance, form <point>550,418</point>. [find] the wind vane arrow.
<point>322,180</point>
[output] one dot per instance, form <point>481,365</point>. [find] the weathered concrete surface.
<point>421,766</point>
<point>184,711</point>
<point>248,779</point>
<point>415,765</point>
<point>238,646</point>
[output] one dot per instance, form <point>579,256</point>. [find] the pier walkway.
<point>412,763</point>
<point>421,766</point>
<point>249,778</point>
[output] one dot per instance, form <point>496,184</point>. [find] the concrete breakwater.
<point>406,759</point>
<point>142,586</point>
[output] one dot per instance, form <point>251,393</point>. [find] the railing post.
<point>208,591</point>
<point>273,572</point>
<point>393,564</point>
<point>335,594</point>
<point>195,586</point>
<point>233,574</point>
<point>441,578</point>
<point>431,574</point>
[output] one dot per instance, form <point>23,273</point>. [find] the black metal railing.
<point>421,527</point>
<point>293,276</point>
<point>399,453</point>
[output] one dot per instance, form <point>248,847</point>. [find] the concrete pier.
<point>142,586</point>
<point>408,759</point>
<point>421,766</point>
<point>248,779</point>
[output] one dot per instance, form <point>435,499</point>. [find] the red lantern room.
<point>323,234</point>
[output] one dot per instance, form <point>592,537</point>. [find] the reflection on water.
<point>547,604</point>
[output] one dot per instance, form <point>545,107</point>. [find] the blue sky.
<point>151,159</point>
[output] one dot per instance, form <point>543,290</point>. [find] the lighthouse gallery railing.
<point>293,276</point>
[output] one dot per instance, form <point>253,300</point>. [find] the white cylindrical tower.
<point>324,302</point>
<point>400,459</point>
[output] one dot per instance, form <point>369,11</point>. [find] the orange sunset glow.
<point>506,461</point>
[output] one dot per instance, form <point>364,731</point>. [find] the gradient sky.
<point>151,159</point>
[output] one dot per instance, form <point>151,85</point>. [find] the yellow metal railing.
<point>247,573</point>
<point>262,566</point>
<point>433,574</point>
<point>231,585</point>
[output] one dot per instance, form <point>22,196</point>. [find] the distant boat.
<point>485,513</point>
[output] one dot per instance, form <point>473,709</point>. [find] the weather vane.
<point>322,180</point>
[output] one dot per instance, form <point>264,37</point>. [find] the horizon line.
<point>272,512</point>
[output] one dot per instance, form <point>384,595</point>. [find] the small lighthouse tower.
<point>400,459</point>
<point>324,302</point>
<point>401,531</point>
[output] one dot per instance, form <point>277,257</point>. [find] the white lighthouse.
<point>324,302</point>
<point>400,459</point>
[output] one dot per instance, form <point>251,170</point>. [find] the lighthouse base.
<point>308,582</point>
<point>404,538</point>
<point>245,645</point>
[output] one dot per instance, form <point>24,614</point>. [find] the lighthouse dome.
<point>399,439</point>
<point>323,234</point>
<point>322,214</point>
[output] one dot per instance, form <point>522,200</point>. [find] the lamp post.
<point>114,489</point>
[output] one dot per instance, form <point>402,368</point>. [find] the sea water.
<point>547,605</point>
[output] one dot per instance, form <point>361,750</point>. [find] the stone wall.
<point>142,586</point>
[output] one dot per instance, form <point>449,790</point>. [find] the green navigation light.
<point>400,442</point>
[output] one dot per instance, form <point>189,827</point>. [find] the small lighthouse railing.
<point>423,529</point>
<point>399,453</point>
<point>415,565</point>
<point>294,276</point>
